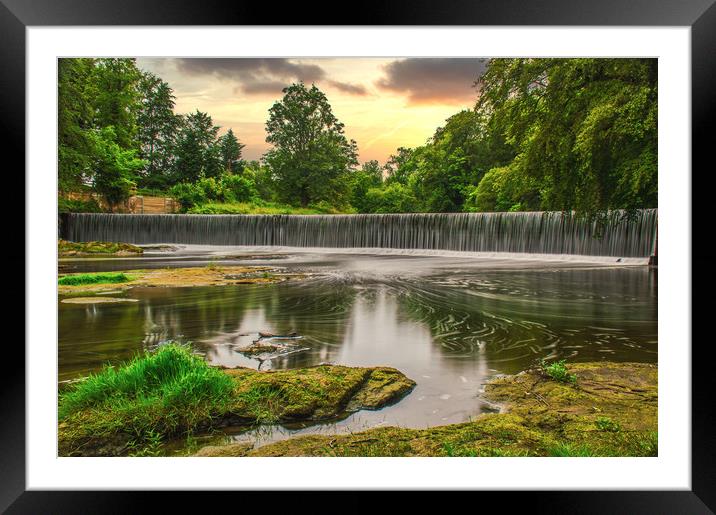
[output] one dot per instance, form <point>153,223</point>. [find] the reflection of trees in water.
<point>90,336</point>
<point>498,316</point>
<point>220,315</point>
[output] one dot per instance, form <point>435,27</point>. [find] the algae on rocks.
<point>68,248</point>
<point>611,410</point>
<point>172,392</point>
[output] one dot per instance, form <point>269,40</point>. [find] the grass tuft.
<point>568,450</point>
<point>154,394</point>
<point>95,278</point>
<point>558,371</point>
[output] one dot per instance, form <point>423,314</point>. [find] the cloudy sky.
<point>384,103</point>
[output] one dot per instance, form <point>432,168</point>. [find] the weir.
<point>521,232</point>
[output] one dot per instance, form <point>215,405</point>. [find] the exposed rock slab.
<point>610,411</point>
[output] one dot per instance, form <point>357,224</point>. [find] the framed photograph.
<point>416,252</point>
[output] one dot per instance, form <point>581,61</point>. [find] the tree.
<point>75,113</point>
<point>399,166</point>
<point>117,98</point>
<point>196,152</point>
<point>231,152</point>
<point>585,129</point>
<point>504,189</point>
<point>157,126</point>
<point>369,176</point>
<point>114,168</point>
<point>311,156</point>
<point>393,198</point>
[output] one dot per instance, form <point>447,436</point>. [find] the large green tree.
<point>231,152</point>
<point>75,116</point>
<point>311,156</point>
<point>197,154</point>
<point>369,176</point>
<point>585,129</point>
<point>114,168</point>
<point>157,127</point>
<point>117,98</point>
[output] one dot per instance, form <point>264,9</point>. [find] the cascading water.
<point>525,232</point>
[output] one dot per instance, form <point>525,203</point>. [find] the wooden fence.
<point>135,204</point>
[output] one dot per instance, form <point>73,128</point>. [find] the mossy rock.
<point>69,248</point>
<point>309,395</point>
<point>218,451</point>
<point>610,411</point>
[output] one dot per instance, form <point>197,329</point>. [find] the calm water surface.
<point>448,322</point>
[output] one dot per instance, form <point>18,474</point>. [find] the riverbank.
<point>96,248</point>
<point>610,410</point>
<point>210,275</point>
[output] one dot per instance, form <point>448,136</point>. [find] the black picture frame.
<point>700,15</point>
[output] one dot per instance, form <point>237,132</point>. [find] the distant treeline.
<point>544,134</point>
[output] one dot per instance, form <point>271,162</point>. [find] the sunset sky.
<point>385,103</point>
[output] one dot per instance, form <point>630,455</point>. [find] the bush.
<point>558,371</point>
<point>255,208</point>
<point>188,195</point>
<point>394,198</point>
<point>65,205</point>
<point>227,189</point>
<point>238,188</point>
<point>504,189</point>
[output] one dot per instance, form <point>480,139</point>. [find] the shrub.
<point>504,189</point>
<point>558,371</point>
<point>394,198</point>
<point>188,195</point>
<point>238,188</point>
<point>607,424</point>
<point>226,189</point>
<point>65,205</point>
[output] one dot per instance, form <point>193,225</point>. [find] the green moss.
<point>94,278</point>
<point>68,248</point>
<point>172,392</point>
<point>229,450</point>
<point>611,410</point>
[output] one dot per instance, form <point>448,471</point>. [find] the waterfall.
<point>528,232</point>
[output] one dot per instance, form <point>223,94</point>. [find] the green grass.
<point>558,371</point>
<point>262,208</point>
<point>568,450</point>
<point>95,278</point>
<point>153,395</point>
<point>135,407</point>
<point>607,424</point>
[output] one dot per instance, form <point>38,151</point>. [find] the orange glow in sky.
<point>385,103</point>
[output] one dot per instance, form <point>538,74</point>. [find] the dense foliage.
<point>311,158</point>
<point>544,134</point>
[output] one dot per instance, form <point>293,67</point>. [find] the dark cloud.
<point>253,75</point>
<point>347,87</point>
<point>260,87</point>
<point>433,80</point>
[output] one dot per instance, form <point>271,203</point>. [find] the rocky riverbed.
<point>611,410</point>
